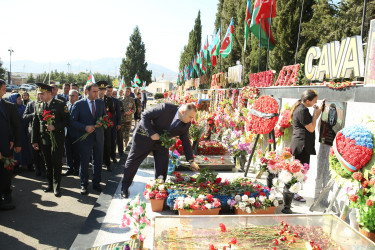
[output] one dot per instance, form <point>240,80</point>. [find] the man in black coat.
<point>144,99</point>
<point>116,118</point>
<point>110,108</point>
<point>28,115</point>
<point>146,139</point>
<point>10,139</point>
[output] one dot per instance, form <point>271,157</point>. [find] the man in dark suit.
<point>28,115</point>
<point>10,139</point>
<point>110,108</point>
<point>146,139</point>
<point>83,118</point>
<point>116,118</point>
<point>144,100</point>
<point>55,89</point>
<point>71,148</point>
<point>65,94</point>
<point>75,87</point>
<point>52,154</point>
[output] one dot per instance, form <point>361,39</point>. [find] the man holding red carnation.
<point>51,116</point>
<point>146,139</point>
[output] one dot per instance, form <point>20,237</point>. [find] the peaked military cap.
<point>42,87</point>
<point>102,84</point>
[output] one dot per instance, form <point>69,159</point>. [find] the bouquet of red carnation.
<point>104,121</point>
<point>49,119</point>
<point>9,162</point>
<point>264,115</point>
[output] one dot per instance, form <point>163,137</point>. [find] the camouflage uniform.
<point>128,104</point>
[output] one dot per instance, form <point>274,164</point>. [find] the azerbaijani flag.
<point>121,84</point>
<point>214,47</point>
<point>265,10</point>
<point>263,25</point>
<point>144,85</point>
<point>247,22</point>
<point>136,79</point>
<point>133,84</point>
<point>226,46</point>
<point>91,79</point>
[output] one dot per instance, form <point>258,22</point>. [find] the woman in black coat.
<point>303,139</point>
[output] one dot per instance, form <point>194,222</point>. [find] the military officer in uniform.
<point>52,154</point>
<point>116,118</point>
<point>110,108</point>
<point>128,106</point>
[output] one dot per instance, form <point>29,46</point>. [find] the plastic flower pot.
<point>213,211</point>
<point>157,205</point>
<point>268,210</point>
<point>369,235</point>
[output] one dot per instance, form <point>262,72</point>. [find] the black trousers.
<point>113,142</point>
<point>5,180</point>
<point>303,157</point>
<point>72,154</point>
<point>120,141</point>
<point>141,147</point>
<point>107,147</point>
<point>53,163</point>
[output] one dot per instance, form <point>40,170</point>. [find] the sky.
<point>51,31</point>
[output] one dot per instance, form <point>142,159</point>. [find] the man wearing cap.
<point>116,118</point>
<point>52,154</point>
<point>84,116</point>
<point>128,106</point>
<point>110,109</point>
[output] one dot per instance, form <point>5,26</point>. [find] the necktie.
<point>93,109</point>
<point>174,124</point>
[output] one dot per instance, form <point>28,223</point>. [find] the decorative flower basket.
<point>369,235</point>
<point>268,210</point>
<point>157,205</point>
<point>212,211</point>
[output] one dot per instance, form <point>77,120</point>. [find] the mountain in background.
<point>109,66</point>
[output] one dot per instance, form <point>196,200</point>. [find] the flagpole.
<point>220,46</point>
<point>243,61</point>
<point>260,36</point>
<point>269,36</point>
<point>299,31</point>
<point>363,18</point>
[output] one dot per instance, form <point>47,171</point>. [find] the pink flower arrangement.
<point>135,211</point>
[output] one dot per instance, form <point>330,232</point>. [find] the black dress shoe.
<point>48,189</point>
<point>114,161</point>
<point>125,193</point>
<point>57,192</point>
<point>68,172</point>
<point>97,188</point>
<point>83,190</point>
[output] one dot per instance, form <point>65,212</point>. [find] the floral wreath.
<point>263,115</point>
<point>248,94</point>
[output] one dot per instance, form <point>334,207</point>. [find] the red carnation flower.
<point>357,176</point>
<point>369,203</point>
<point>222,227</point>
<point>353,197</point>
<point>233,241</point>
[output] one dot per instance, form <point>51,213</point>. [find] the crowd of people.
<point>39,133</point>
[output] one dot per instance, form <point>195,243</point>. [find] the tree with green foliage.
<point>134,61</point>
<point>194,44</point>
<point>2,70</point>
<point>30,78</point>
